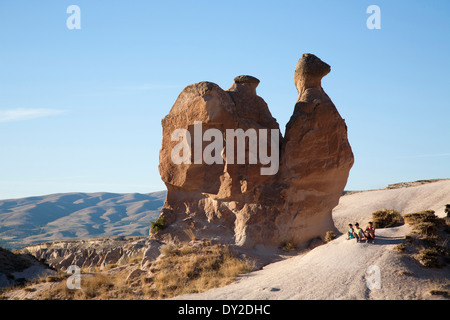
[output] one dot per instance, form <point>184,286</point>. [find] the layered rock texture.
<point>279,191</point>
<point>89,253</point>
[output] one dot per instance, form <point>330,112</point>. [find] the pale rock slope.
<point>358,207</point>
<point>344,269</point>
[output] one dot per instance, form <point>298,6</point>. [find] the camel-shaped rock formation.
<point>282,191</point>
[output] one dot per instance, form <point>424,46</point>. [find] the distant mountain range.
<point>76,215</point>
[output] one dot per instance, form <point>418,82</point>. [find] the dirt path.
<point>336,270</point>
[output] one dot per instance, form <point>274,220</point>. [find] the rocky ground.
<point>18,268</point>
<point>88,253</point>
<point>339,269</point>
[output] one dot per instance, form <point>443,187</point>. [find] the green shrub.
<point>157,225</point>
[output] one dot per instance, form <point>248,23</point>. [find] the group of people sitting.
<point>360,234</point>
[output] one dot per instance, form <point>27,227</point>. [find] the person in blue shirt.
<point>350,232</point>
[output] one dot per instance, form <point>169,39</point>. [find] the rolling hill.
<point>76,215</point>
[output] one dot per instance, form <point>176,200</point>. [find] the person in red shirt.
<point>370,232</point>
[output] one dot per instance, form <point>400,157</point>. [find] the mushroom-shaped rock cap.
<point>244,85</point>
<point>246,79</point>
<point>311,66</point>
<point>309,72</point>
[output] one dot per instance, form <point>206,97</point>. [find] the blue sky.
<point>81,110</point>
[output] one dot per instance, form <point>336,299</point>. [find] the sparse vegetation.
<point>57,278</point>
<point>409,239</point>
<point>157,225</point>
<point>444,293</point>
<point>12,262</point>
<point>98,286</point>
<point>386,218</point>
<point>190,269</point>
<point>329,236</point>
<point>404,273</point>
<point>288,246</point>
<point>401,247</point>
<point>428,241</point>
<point>440,289</point>
<point>183,268</point>
<point>429,258</point>
<point>427,225</point>
<point>190,233</point>
<point>422,216</point>
<point>167,248</point>
<point>111,266</point>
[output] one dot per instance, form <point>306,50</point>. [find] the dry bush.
<point>386,218</point>
<point>188,269</point>
<point>167,248</point>
<point>401,247</point>
<point>181,269</point>
<point>329,236</point>
<point>97,287</point>
<point>428,238</point>
<point>59,276</point>
<point>190,233</point>
<point>439,292</point>
<point>425,222</point>
<point>288,246</point>
<point>404,272</point>
<point>429,258</point>
<point>422,216</point>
